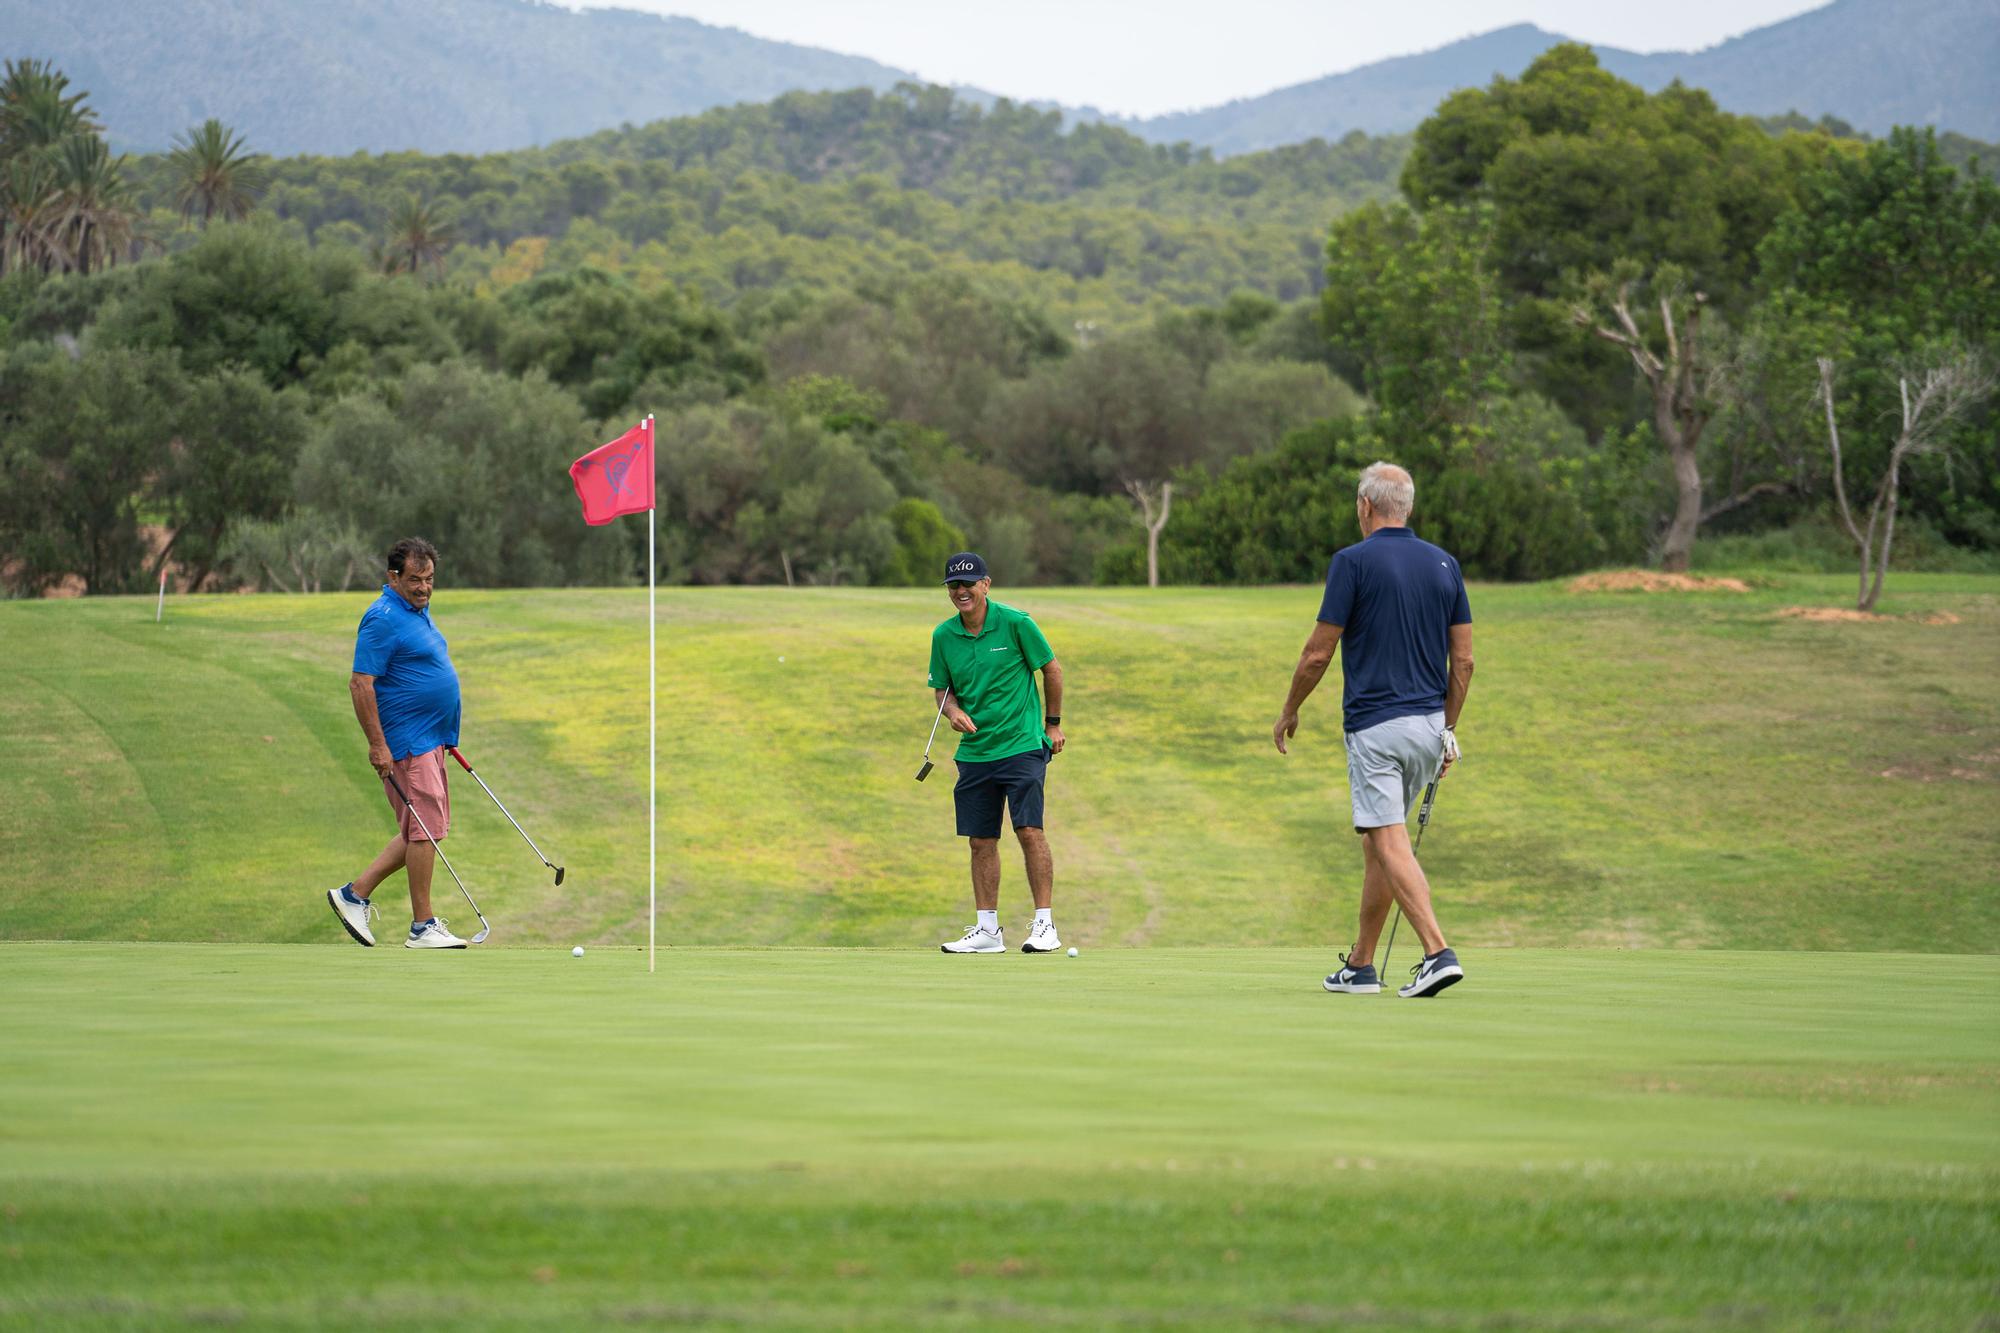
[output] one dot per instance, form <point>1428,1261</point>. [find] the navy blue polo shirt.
<point>1395,597</point>
<point>416,686</point>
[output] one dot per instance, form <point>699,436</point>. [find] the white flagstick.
<point>160,609</point>
<point>652,717</point>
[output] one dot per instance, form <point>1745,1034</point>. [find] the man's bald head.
<point>1389,491</point>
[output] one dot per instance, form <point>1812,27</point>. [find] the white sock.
<point>1042,917</point>
<point>990,922</point>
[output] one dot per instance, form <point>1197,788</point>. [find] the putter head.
<point>559,875</point>
<point>925,771</point>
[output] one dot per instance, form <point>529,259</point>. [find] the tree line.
<point>1597,324</point>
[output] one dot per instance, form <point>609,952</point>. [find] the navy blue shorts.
<point>983,787</point>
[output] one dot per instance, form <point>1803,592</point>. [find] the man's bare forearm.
<point>1460,683</point>
<point>1305,679</point>
<point>366,713</point>
<point>1052,688</point>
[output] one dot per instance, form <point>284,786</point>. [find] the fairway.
<point>1657,1101</point>
<point>297,1137</point>
<point>1688,770</point>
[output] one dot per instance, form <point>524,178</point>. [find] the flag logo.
<point>617,468</point>
<point>616,478</point>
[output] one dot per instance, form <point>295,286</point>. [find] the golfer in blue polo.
<point>1395,606</point>
<point>982,676</point>
<point>405,693</point>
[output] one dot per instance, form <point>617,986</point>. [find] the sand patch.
<point>1847,614</point>
<point>1653,580</point>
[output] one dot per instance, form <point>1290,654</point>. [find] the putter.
<point>925,771</point>
<point>1423,822</point>
<point>484,929</point>
<point>467,766</point>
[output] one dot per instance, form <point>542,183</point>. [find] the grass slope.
<point>284,1137</point>
<point>1668,769</point>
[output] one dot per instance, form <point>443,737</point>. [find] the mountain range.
<point>307,76</point>
<point>1872,63</point>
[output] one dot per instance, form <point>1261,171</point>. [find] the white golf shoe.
<point>976,940</point>
<point>1042,939</point>
<point>433,934</point>
<point>353,916</point>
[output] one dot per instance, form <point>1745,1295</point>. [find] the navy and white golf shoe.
<point>1361,980</point>
<point>1437,971</point>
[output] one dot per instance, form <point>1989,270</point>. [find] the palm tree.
<point>419,234</point>
<point>28,212</point>
<point>95,218</point>
<point>212,174</point>
<point>64,200</point>
<point>37,109</point>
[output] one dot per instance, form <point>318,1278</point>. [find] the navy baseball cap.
<point>965,567</point>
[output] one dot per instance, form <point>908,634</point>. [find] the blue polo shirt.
<point>416,686</point>
<point>1395,597</point>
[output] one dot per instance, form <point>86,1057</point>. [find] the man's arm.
<point>961,721</point>
<point>1313,662</point>
<point>361,689</point>
<point>1461,679</point>
<point>1052,703</point>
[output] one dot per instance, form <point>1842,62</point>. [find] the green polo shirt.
<point>993,679</point>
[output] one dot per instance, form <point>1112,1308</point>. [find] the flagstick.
<point>652,731</point>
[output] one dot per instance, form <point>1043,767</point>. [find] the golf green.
<point>323,1137</point>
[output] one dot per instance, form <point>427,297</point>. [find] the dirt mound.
<point>1833,614</point>
<point>1652,580</point>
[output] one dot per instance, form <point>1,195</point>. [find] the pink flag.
<point>616,478</point>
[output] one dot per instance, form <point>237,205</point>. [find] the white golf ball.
<point>781,657</point>
<point>577,952</point>
<point>1072,951</point>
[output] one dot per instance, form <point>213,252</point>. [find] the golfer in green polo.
<point>983,665</point>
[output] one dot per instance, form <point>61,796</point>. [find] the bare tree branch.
<point>1679,412</point>
<point>1745,496</point>
<point>1145,495</point>
<point>1945,392</point>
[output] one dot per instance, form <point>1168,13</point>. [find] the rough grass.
<point>1678,769</point>
<point>326,1137</point>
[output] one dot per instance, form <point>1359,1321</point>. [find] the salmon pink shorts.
<point>422,779</point>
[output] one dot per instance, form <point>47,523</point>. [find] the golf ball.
<point>577,952</point>
<point>1072,951</point>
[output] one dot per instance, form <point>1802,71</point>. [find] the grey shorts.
<point>1389,765</point>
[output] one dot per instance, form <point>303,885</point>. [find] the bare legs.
<point>419,858</point>
<point>986,869</point>
<point>1391,876</point>
<point>985,873</point>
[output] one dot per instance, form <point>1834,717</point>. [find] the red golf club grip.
<point>461,758</point>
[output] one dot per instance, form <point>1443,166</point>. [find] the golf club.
<point>484,929</point>
<point>1423,822</point>
<point>467,766</point>
<point>925,771</point>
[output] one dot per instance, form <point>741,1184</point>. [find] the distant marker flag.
<point>616,478</point>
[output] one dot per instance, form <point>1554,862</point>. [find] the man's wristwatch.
<point>1052,720</point>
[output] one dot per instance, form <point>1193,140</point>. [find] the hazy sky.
<point>1143,57</point>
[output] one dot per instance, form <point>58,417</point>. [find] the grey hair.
<point>1389,489</point>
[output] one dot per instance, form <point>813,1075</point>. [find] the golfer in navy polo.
<point>982,677</point>
<point>1396,607</point>
<point>405,694</point>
